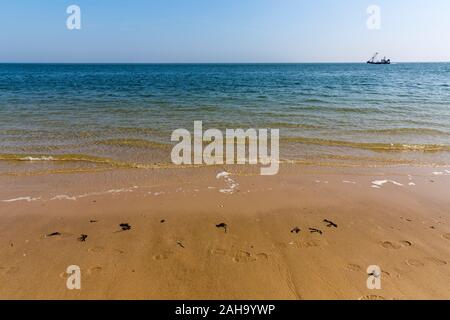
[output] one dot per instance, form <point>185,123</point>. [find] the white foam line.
<point>226,191</point>
<point>119,190</point>
<point>37,158</point>
<point>72,198</point>
<point>380,183</point>
<point>222,174</point>
<point>105,192</point>
<point>63,197</point>
<point>441,173</point>
<point>347,181</point>
<point>28,199</point>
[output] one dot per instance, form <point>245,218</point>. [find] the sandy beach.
<point>224,158</point>
<point>200,233</point>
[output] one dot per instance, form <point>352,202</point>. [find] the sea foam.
<point>231,184</point>
<point>379,183</point>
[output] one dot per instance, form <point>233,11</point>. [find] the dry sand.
<point>174,249</point>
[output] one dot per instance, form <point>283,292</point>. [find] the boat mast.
<point>374,57</point>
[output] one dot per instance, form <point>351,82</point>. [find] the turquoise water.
<point>327,112</point>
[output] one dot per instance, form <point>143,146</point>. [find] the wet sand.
<point>307,233</point>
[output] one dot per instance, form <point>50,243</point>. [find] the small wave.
<point>358,158</point>
<point>399,131</point>
<point>355,110</point>
<point>315,100</point>
<point>137,130</point>
<point>290,125</point>
<point>105,163</point>
<point>134,143</point>
<point>59,157</point>
<point>336,109</point>
<point>371,146</point>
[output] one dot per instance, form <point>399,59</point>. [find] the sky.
<point>208,31</point>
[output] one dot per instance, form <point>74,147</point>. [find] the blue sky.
<point>223,31</point>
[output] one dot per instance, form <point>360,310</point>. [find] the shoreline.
<point>174,249</point>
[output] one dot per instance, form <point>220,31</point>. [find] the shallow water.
<point>123,115</point>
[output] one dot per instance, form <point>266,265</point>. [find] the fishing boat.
<point>382,61</point>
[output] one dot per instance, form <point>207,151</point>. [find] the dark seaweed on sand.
<point>295,230</point>
<point>222,225</point>
<point>314,230</point>
<point>125,226</point>
<point>180,244</point>
<point>330,223</point>
<point>54,234</point>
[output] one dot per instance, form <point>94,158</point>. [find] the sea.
<point>83,117</point>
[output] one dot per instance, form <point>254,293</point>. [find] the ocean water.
<point>85,116</point>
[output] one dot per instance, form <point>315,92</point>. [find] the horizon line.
<point>218,62</point>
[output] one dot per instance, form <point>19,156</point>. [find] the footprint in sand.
<point>163,256</point>
<point>240,255</point>
<point>390,245</point>
<point>353,267</point>
<point>406,243</point>
<point>262,255</point>
<point>387,274</point>
<point>96,249</point>
<point>297,244</point>
<point>243,256</point>
<point>280,245</point>
<point>219,251</point>
<point>102,250</point>
<point>9,270</point>
<point>414,263</point>
<point>372,297</point>
<point>436,261</point>
<point>94,270</point>
<point>311,243</point>
<point>446,236</point>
